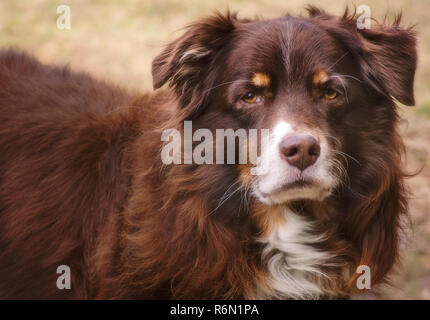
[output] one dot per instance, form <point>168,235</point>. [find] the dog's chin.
<point>293,192</point>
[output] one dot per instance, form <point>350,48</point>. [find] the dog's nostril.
<point>300,151</point>
<point>315,150</point>
<point>289,152</point>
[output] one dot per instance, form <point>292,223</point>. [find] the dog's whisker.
<point>343,85</point>
<point>349,76</point>
<point>226,196</point>
<point>226,83</point>
<point>339,60</point>
<point>335,139</point>
<point>346,155</point>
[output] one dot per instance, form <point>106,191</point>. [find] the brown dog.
<point>82,182</point>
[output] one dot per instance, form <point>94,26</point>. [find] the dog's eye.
<point>330,94</point>
<point>251,97</point>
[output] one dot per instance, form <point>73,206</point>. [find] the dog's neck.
<point>297,266</point>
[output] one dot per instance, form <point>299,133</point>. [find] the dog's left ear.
<point>187,63</point>
<point>387,53</point>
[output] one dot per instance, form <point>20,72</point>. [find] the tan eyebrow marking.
<point>320,76</point>
<point>261,79</point>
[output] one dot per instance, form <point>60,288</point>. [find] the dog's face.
<point>321,86</point>
<point>284,76</point>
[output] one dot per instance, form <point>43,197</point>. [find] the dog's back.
<point>62,172</point>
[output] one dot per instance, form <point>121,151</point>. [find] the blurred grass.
<point>117,40</point>
<point>424,109</point>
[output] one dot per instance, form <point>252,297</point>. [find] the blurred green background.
<point>117,40</point>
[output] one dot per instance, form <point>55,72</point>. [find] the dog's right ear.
<point>187,63</point>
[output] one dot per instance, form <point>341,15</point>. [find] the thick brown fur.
<point>82,183</point>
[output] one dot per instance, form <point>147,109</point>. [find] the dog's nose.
<point>300,151</point>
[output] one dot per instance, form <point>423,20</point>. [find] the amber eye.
<point>330,94</point>
<point>250,97</point>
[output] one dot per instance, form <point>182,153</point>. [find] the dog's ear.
<point>187,64</point>
<point>386,52</point>
<point>375,225</point>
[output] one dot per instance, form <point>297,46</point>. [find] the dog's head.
<point>323,87</point>
<point>327,90</point>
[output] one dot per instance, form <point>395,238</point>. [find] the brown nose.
<point>300,151</point>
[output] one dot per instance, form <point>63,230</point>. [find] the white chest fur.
<point>294,263</point>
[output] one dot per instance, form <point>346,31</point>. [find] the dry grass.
<point>117,40</point>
